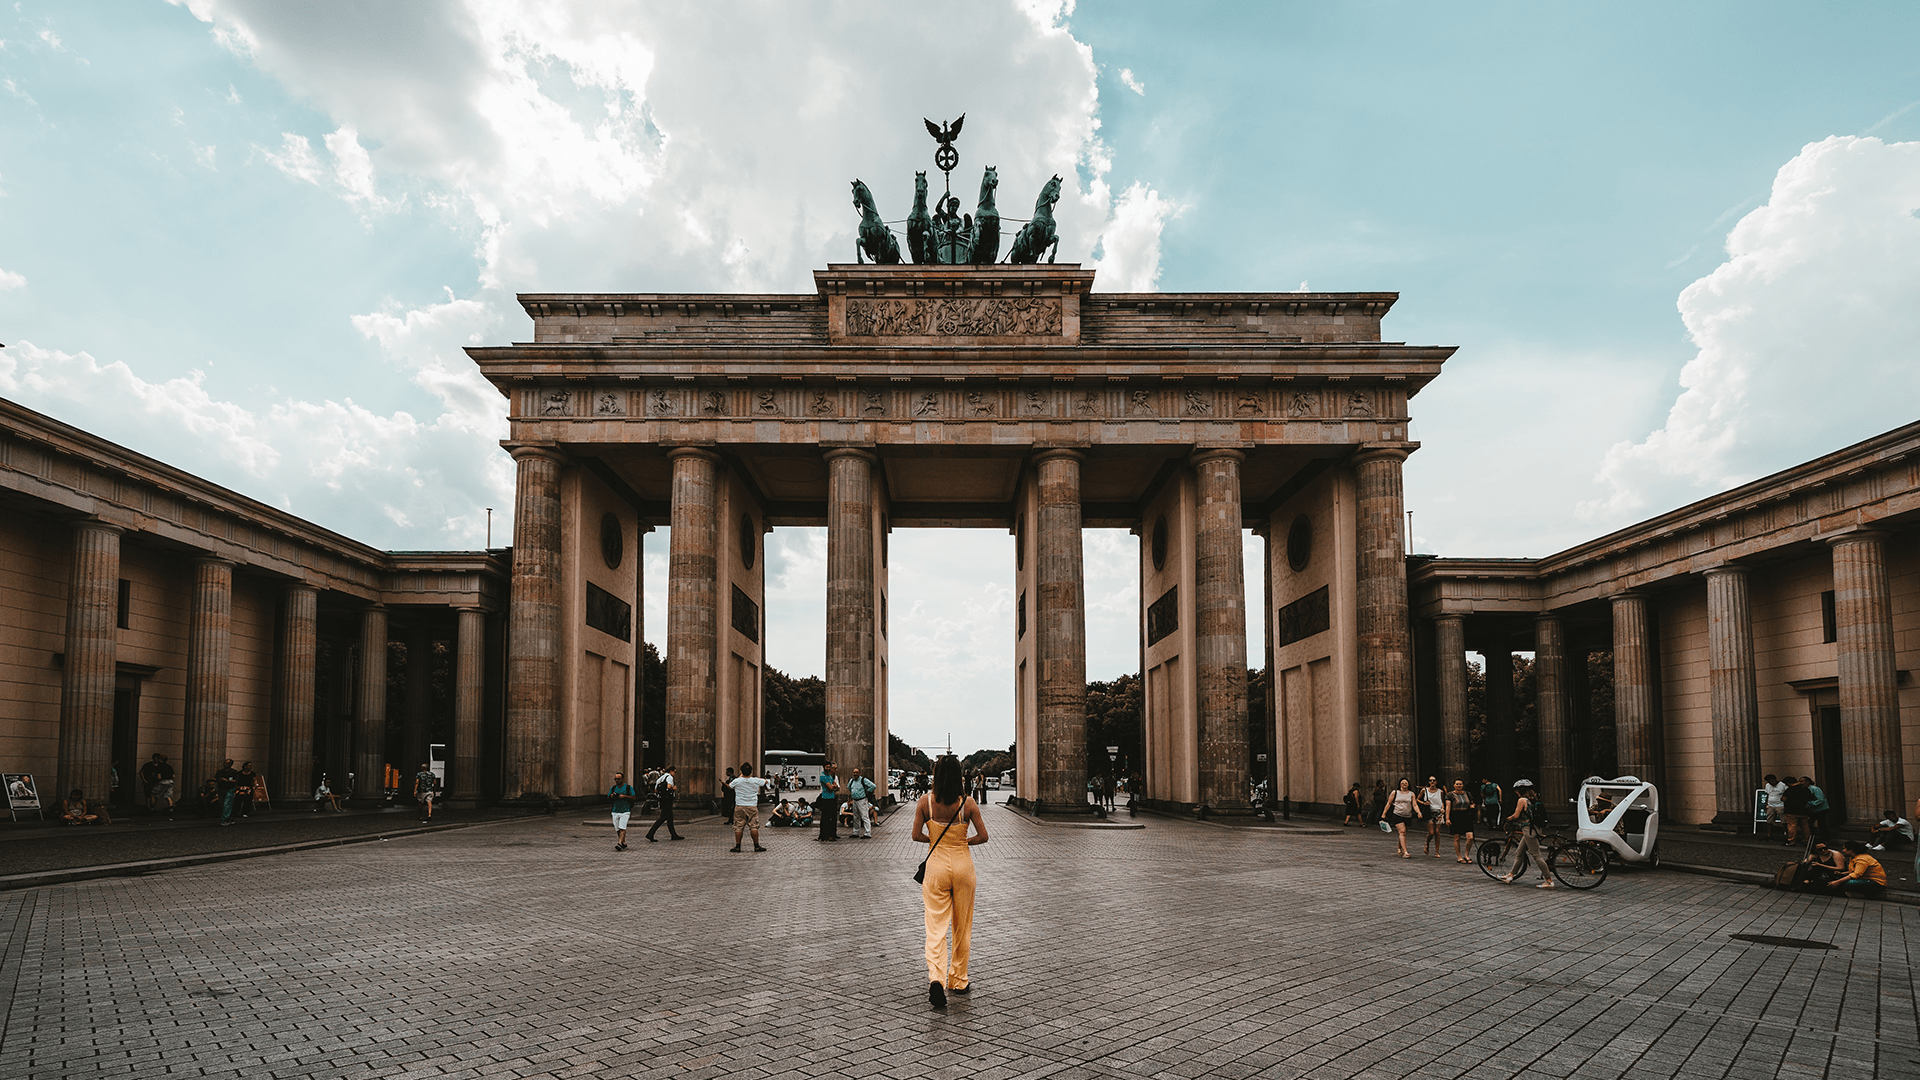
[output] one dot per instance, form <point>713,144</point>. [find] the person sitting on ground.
<point>1865,877</point>
<point>74,810</point>
<point>1892,830</point>
<point>323,796</point>
<point>783,816</point>
<point>1820,865</point>
<point>208,799</point>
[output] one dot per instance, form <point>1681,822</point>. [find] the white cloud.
<point>353,168</point>
<point>205,155</point>
<point>11,280</point>
<point>1131,83</point>
<point>296,158</point>
<point>389,480</point>
<point>1808,334</point>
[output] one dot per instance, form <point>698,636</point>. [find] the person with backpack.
<point>1527,817</point>
<point>860,789</point>
<point>664,790</point>
<point>426,789</point>
<point>1817,807</point>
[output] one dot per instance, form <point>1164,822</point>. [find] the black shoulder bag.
<point>920,875</point>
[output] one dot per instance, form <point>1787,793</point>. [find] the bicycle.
<point>1577,865</point>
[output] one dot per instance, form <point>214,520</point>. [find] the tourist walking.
<point>1351,801</point>
<point>827,806</point>
<point>664,790</point>
<point>746,804</point>
<point>860,789</point>
<point>1403,805</point>
<point>1490,801</point>
<point>1433,805</point>
<point>950,825</point>
<point>1527,819</point>
<point>426,790</point>
<point>1794,802</point>
<point>622,795</point>
<point>1460,820</point>
<point>1776,802</point>
<point>157,775</point>
<point>1377,802</point>
<point>243,797</point>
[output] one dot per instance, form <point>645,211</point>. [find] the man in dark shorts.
<point>426,789</point>
<point>665,789</point>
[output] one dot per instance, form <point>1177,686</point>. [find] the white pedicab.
<point>1622,813</point>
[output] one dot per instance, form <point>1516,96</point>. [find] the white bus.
<point>796,763</point>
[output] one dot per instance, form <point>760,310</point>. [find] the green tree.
<point>795,712</point>
<point>1113,719</point>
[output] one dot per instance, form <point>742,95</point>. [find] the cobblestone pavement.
<point>530,948</point>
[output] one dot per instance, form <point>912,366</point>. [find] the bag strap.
<point>950,824</point>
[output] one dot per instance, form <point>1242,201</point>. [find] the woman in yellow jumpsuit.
<point>949,823</point>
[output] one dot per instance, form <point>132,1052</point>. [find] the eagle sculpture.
<point>944,135</point>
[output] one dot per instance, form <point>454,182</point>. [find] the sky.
<point>1678,246</point>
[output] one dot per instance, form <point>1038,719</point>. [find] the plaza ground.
<point>528,947</point>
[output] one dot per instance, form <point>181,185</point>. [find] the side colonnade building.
<point>1773,628</point>
<point>145,610</point>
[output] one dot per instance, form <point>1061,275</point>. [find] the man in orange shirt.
<point>1865,877</point>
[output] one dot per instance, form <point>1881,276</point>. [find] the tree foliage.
<point>795,712</point>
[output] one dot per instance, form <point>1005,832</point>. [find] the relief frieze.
<point>954,317</point>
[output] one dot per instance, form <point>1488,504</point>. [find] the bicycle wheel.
<point>1492,858</point>
<point>1578,866</point>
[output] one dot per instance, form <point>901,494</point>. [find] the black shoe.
<point>757,847</point>
<point>676,838</point>
<point>936,995</point>
<point>967,989</point>
<point>651,840</point>
<point>735,849</point>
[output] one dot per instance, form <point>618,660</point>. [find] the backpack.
<point>662,788</point>
<point>1788,876</point>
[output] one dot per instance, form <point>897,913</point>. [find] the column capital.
<point>94,524</point>
<point>1548,617</point>
<point>1398,451</point>
<point>1725,570</point>
<point>1450,616</point>
<point>1855,536</point>
<point>863,453</point>
<point>209,559</point>
<point>1627,594</point>
<point>373,607</point>
<point>1214,452</point>
<point>1059,453</point>
<point>301,586</point>
<point>469,607</point>
<point>703,453</point>
<point>544,451</point>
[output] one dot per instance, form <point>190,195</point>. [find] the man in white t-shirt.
<point>746,804</point>
<point>1776,801</point>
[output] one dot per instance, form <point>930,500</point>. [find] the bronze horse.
<point>986,220</point>
<point>919,222</point>
<point>875,239</point>
<point>1038,234</point>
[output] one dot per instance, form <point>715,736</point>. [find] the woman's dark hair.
<point>946,779</point>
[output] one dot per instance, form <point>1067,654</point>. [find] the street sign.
<point>1113,749</point>
<point>644,744</point>
<point>1260,757</point>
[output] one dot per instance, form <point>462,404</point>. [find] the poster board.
<point>1759,809</point>
<point>22,794</point>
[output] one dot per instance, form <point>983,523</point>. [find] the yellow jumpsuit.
<point>948,893</point>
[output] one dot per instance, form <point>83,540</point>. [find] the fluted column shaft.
<point>850,610</point>
<point>292,741</point>
<point>1635,712</point>
<point>1386,651</point>
<point>1872,774</point>
<point>86,681</point>
<point>1220,628</point>
<point>1456,744</point>
<point>469,684</point>
<point>533,626</point>
<point>370,705</point>
<point>1553,709</point>
<point>1060,626</point>
<point>417,726</point>
<point>692,614</point>
<point>1733,694</point>
<point>209,649</point>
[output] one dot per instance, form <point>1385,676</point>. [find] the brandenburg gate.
<point>972,396</point>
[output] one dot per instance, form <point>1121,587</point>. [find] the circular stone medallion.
<point>1160,543</point>
<point>747,535</point>
<point>1300,543</point>
<point>613,541</point>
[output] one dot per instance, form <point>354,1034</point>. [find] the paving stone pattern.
<point>531,949</point>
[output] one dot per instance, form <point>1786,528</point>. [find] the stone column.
<point>87,679</point>
<point>1386,651</point>
<point>290,773</point>
<point>1733,695</point>
<point>692,614</point>
<point>469,685</point>
<point>533,627</point>
<point>370,706</point>
<point>1497,752</point>
<point>209,645</point>
<point>1220,628</point>
<point>1871,774</point>
<point>1060,626</point>
<point>1456,743</point>
<point>417,726</point>
<point>1635,712</point>
<point>850,610</point>
<point>1552,710</point>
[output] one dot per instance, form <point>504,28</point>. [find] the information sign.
<point>1759,809</point>
<point>22,793</point>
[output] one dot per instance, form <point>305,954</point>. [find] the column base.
<point>1737,821</point>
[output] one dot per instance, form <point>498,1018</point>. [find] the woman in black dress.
<point>1461,815</point>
